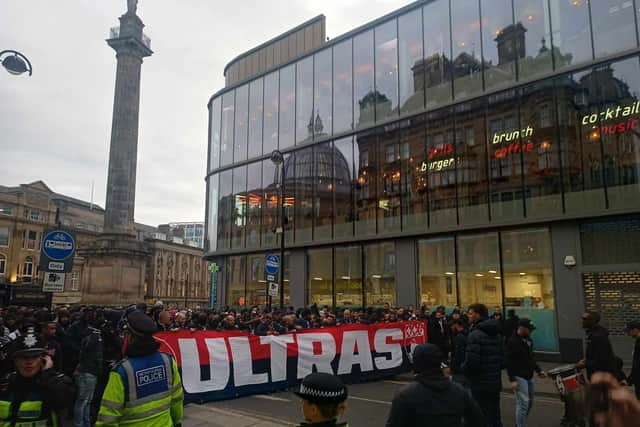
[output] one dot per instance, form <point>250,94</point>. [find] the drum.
<point>568,378</point>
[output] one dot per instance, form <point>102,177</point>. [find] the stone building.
<point>27,211</point>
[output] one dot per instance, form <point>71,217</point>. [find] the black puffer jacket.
<point>434,401</point>
<point>484,358</point>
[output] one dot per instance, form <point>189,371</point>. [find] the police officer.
<point>145,388</point>
<point>323,399</point>
<point>35,393</point>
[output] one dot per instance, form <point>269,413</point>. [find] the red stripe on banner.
<point>319,340</point>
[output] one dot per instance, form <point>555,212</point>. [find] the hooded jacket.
<point>484,357</point>
<point>433,400</point>
<point>599,353</point>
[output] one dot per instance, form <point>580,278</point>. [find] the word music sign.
<point>221,365</point>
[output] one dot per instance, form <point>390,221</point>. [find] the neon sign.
<point>512,136</point>
<point>612,113</point>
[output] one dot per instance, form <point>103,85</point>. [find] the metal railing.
<point>114,33</point>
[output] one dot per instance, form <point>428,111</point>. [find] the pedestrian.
<point>520,367</point>
<point>35,393</point>
<point>599,356</point>
<point>438,331</point>
<point>633,330</point>
<point>510,323</point>
<point>484,362</point>
<point>458,350</point>
<point>90,366</point>
<point>145,388</point>
<point>51,344</point>
<point>323,399</point>
<point>431,399</point>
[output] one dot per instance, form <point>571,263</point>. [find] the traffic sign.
<point>271,264</point>
<point>56,254</point>
<point>271,277</point>
<point>53,282</point>
<point>273,289</point>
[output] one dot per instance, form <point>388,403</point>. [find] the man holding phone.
<point>35,393</point>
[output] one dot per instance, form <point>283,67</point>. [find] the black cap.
<point>28,345</point>
<point>320,387</point>
<point>427,358</point>
<point>634,324</point>
<point>138,323</point>
<point>526,323</point>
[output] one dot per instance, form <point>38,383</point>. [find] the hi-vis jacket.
<point>143,391</point>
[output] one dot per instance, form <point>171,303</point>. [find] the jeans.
<point>489,402</point>
<point>524,400</point>
<point>86,385</point>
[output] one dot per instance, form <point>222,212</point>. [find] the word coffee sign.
<point>237,363</point>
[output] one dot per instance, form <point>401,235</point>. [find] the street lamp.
<point>278,160</point>
<point>15,63</point>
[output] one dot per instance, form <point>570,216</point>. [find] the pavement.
<point>368,406</point>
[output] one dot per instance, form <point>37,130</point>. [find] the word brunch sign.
<point>223,365</point>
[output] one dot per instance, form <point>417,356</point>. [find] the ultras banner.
<point>222,365</point>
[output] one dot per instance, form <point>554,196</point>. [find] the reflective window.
<point>256,283</point>
<point>242,124</point>
<point>270,203</point>
<point>305,177</point>
<point>389,182</point>
<point>386,54</point>
<point>441,169</point>
<point>411,65</point>
<point>535,56</point>
<point>479,277</point>
<point>366,167</point>
<point>255,118</point>
<point>437,272</point>
<point>225,209</point>
<point>323,121</point>
<point>502,42</point>
<point>571,34</point>
<point>343,183</point>
<point>214,145</point>
<point>235,269</point>
<point>287,105</point>
<point>254,205</point>
<point>437,66</point>
<point>348,276</point>
<point>540,151</point>
<point>471,163</point>
<point>270,140</point>
<point>614,240</point>
<point>343,87</point>
<point>364,95</point>
<point>212,212</point>
<point>305,117</point>
<point>581,154</point>
<point>238,215</point>
<point>324,156</point>
<point>467,59</point>
<point>226,140</point>
<point>413,175</point>
<point>505,156</point>
<point>614,28</point>
<point>528,282</point>
<point>320,283</point>
<point>380,274</point>
<point>617,89</point>
<point>289,200</point>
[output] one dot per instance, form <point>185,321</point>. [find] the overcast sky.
<point>55,126</point>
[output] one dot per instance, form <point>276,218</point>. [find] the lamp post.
<point>278,160</point>
<point>15,63</point>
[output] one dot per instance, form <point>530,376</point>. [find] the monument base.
<point>115,269</point>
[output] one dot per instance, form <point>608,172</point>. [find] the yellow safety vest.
<point>29,415</point>
<point>161,409</point>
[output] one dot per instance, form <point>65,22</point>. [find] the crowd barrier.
<point>223,365</point>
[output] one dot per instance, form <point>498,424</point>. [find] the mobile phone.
<point>597,398</point>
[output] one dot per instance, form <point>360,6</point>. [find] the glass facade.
<point>451,116</point>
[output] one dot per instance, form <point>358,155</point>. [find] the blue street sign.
<point>271,264</point>
<point>58,245</point>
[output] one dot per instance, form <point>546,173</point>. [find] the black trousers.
<point>489,402</point>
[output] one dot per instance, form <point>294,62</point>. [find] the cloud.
<point>56,125</point>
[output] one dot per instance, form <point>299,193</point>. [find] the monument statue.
<point>132,7</point>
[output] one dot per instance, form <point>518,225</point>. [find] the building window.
<point>479,270</point>
<point>3,264</point>
<point>436,272</point>
<point>30,239</point>
<point>75,280</point>
<point>348,276</point>
<point>4,236</point>
<point>6,210</point>
<point>35,216</point>
<point>27,270</point>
